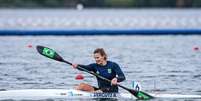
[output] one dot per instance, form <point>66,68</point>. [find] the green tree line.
<point>99,3</point>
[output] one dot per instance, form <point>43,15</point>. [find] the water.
<point>100,19</point>
<point>162,64</point>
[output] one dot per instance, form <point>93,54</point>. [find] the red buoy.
<point>79,77</point>
<point>196,48</point>
<point>29,46</point>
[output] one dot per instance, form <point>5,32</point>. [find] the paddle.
<point>47,52</point>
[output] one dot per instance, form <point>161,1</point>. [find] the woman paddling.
<point>107,69</point>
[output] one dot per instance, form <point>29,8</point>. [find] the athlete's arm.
<point>120,75</point>
<point>87,67</point>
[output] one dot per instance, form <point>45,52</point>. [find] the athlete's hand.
<point>74,66</point>
<point>114,81</point>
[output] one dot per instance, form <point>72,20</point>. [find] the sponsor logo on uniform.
<point>109,70</point>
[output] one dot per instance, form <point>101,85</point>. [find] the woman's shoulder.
<point>112,63</point>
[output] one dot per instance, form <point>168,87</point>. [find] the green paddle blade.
<point>47,52</point>
<point>138,94</point>
<point>143,96</point>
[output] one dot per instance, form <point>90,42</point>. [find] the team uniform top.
<point>109,71</point>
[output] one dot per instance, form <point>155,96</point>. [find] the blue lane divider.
<point>103,32</point>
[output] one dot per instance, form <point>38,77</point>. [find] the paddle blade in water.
<point>138,94</point>
<point>50,53</point>
<point>141,95</point>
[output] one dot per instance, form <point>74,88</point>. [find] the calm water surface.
<point>162,64</point>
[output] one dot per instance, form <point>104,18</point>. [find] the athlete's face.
<point>99,58</point>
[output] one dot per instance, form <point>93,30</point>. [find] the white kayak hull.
<point>39,94</point>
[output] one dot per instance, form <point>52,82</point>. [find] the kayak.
<point>133,93</point>
<point>41,94</point>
